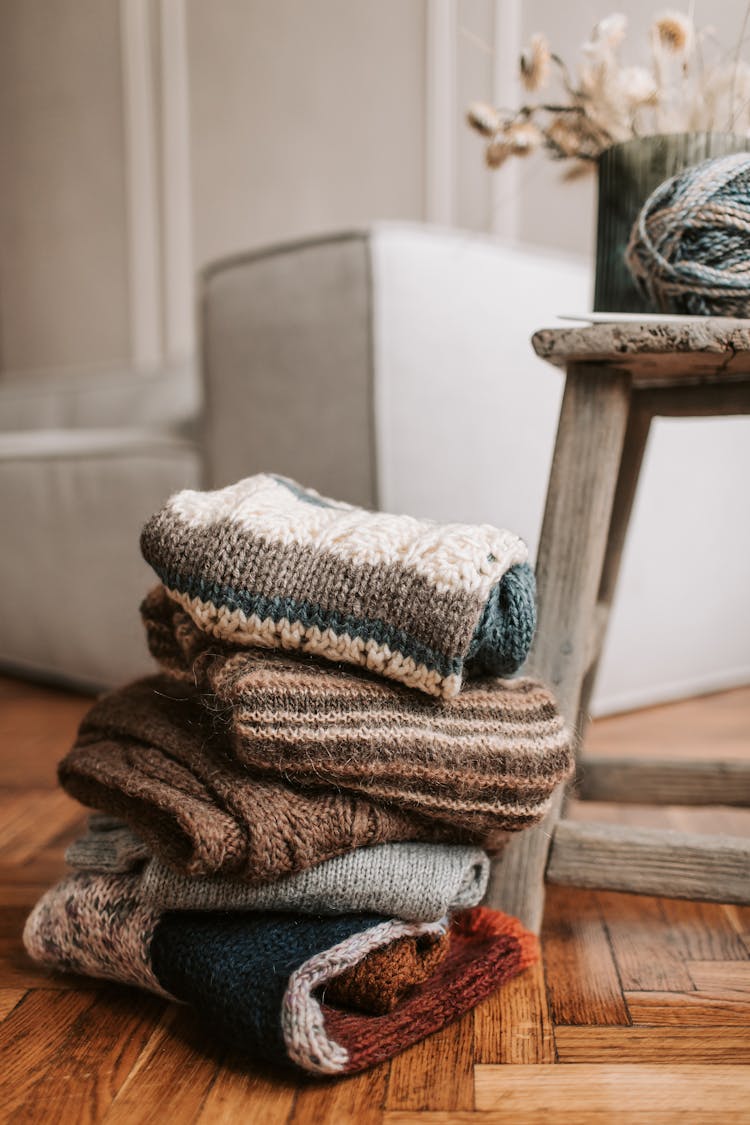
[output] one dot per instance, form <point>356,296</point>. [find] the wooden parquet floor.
<point>640,1013</point>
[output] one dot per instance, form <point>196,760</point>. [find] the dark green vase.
<point>628,173</point>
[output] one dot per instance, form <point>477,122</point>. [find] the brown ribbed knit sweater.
<point>149,754</point>
<point>379,982</point>
<point>486,760</point>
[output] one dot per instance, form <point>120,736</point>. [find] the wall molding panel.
<point>157,161</point>
<point>141,162</point>
<point>440,110</point>
<point>178,268</point>
<point>505,197</point>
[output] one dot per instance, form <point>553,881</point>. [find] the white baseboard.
<point>649,696</point>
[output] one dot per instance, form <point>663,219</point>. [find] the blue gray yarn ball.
<point>689,251</point>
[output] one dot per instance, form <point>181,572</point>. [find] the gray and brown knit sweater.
<point>266,562</point>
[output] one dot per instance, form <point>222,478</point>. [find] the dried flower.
<point>573,135</point>
<point>523,137</point>
<point>578,169</point>
<point>564,134</point>
<point>610,31</point>
<point>484,118</point>
<point>535,62</point>
<point>674,31</point>
<point>637,86</point>
<point>498,151</point>
<point>739,98</point>
<point>682,89</point>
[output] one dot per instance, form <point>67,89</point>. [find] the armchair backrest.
<point>389,367</point>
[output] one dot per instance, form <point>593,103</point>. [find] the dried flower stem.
<point>607,102</point>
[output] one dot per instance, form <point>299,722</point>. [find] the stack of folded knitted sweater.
<point>293,817</point>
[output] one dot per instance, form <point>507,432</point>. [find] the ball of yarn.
<point>689,251</point>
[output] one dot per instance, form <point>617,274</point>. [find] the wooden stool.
<point>618,377</point>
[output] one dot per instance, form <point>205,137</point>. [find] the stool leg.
<point>634,447</point>
<point>580,500</point>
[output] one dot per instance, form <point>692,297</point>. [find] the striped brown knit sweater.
<point>486,760</point>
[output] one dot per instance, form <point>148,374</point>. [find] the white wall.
<point>681,622</point>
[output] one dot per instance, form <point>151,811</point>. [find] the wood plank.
<point>514,1025</point>
<point>738,918</point>
<point>91,1040</point>
<point>517,881</point>
<point>724,820</point>
<point>722,976</point>
<point>12,920</point>
<point>39,724</point>
<point>697,400</point>
<point>170,1078</point>
<point>31,818</point>
<point>236,1093</point>
<point>182,1075</point>
<point>676,1045</point>
<point>663,782</point>
<point>420,1080</point>
<point>17,970</point>
<point>706,726</point>
<point>628,475</point>
<point>580,496</point>
<point>544,1117</point>
<point>702,932</point>
<point>650,861</point>
<point>582,981</point>
<point>689,1009</point>
<point>656,945</point>
<point>642,943</point>
<point>707,820</point>
<point>9,997</point>
<point>703,1092</point>
<point>344,1101</point>
<point>711,350</point>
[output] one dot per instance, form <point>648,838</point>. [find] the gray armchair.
<point>84,459</point>
<point>389,367</point>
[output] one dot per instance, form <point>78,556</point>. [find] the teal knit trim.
<point>302,493</point>
<point>506,629</point>
<point>498,647</point>
<point>310,615</point>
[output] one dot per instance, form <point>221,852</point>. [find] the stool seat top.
<point>698,349</point>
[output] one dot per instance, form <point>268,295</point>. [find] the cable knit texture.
<point>265,562</point>
<point>257,980</point>
<point>418,882</point>
<point>485,760</point>
<point>149,754</point>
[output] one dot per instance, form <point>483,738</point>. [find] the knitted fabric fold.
<point>486,760</point>
<point>257,980</point>
<point>149,755</point>
<point>112,848</point>
<point>417,882</point>
<point>266,562</point>
<point>384,977</point>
